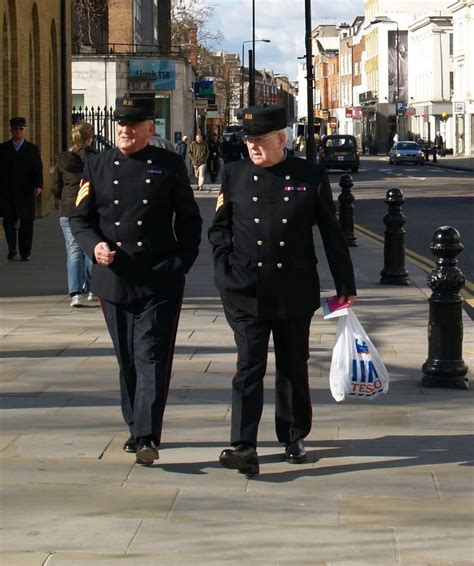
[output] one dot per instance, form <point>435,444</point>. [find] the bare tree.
<point>89,17</point>
<point>190,21</point>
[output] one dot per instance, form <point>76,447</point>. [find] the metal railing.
<point>127,49</point>
<point>102,119</point>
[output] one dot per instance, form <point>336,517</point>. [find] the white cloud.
<point>280,21</point>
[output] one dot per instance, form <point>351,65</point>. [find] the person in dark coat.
<point>137,219</point>
<point>213,161</point>
<point>22,183</point>
<point>265,271</point>
<point>67,175</point>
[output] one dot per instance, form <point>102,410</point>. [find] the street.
<point>434,197</point>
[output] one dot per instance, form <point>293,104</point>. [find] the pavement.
<point>388,481</point>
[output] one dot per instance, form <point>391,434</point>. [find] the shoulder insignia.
<point>84,191</point>
<point>220,201</point>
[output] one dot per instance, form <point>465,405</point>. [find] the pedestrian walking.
<point>67,175</point>
<point>198,153</point>
<point>265,270</point>
<point>22,183</point>
<point>136,217</point>
<point>182,147</point>
<point>439,144</point>
<point>214,158</point>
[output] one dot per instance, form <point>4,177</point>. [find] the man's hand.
<point>349,298</point>
<point>103,254</point>
<point>38,191</point>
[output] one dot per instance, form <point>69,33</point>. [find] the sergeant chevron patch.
<point>84,191</point>
<point>220,201</point>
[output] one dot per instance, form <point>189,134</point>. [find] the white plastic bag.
<point>357,369</point>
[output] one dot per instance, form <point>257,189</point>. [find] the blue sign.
<point>162,74</point>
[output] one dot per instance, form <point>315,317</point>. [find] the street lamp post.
<point>310,141</point>
<point>242,68</point>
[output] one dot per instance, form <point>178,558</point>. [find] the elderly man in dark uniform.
<point>136,217</point>
<point>22,183</point>
<point>265,270</point>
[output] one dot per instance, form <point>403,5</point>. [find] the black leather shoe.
<point>242,458</point>
<point>147,452</point>
<point>11,256</point>
<point>295,452</point>
<point>25,258</point>
<point>130,445</point>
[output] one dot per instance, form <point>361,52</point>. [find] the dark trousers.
<point>25,235</point>
<point>293,411</point>
<point>144,334</point>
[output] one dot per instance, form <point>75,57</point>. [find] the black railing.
<point>103,122</point>
<point>127,49</point>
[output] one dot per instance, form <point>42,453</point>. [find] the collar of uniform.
<point>140,155</point>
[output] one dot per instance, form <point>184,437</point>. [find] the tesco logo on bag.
<point>365,378</point>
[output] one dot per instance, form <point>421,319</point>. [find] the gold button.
<point>286,199</point>
<point>139,244</point>
<point>139,222</point>
<point>148,181</point>
<point>256,220</point>
<point>115,182</point>
<point>287,177</point>
<point>259,242</point>
<point>116,162</point>
<point>279,265</point>
<point>255,178</point>
<point>119,244</point>
<point>145,201</point>
<point>282,244</point>
<point>149,161</point>
<point>116,201</point>
<point>260,263</point>
<point>255,199</point>
<point>284,220</point>
<point>117,223</point>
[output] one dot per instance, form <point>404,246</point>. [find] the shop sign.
<point>162,74</point>
<point>349,112</point>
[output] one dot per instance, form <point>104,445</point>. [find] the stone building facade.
<point>35,72</point>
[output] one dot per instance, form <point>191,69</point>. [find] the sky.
<point>280,21</point>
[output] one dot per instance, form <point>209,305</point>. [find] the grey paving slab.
<point>60,445</point>
<point>444,545</point>
<point>394,512</point>
<point>216,541</point>
<point>20,558</point>
<point>50,533</point>
<point>49,470</point>
<point>23,502</point>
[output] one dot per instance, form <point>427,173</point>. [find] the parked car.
<point>339,152</point>
<point>406,152</point>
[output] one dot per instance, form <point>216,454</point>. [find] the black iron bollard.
<point>445,366</point>
<point>435,156</point>
<point>346,210</point>
<point>394,272</point>
<point>426,151</point>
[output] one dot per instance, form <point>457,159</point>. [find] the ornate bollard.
<point>346,210</point>
<point>445,366</point>
<point>394,272</point>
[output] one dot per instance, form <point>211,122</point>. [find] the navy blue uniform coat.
<point>143,206</point>
<point>263,240</point>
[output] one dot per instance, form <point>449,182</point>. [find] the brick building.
<point>35,71</point>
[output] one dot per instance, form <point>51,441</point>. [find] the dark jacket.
<point>265,262</point>
<point>22,173</point>
<point>67,176</point>
<point>143,206</point>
